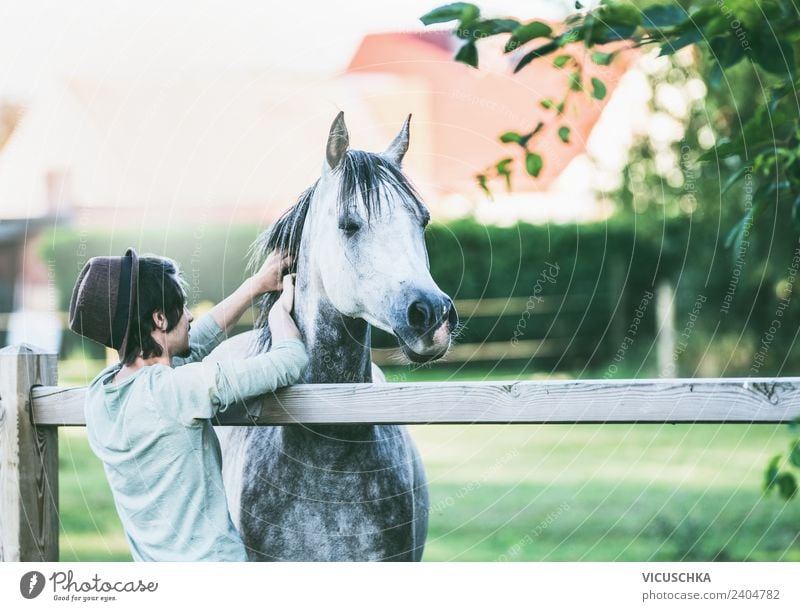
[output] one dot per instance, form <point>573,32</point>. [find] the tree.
<point>729,31</point>
<point>758,148</point>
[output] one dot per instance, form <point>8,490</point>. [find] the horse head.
<point>357,237</point>
<point>370,249</point>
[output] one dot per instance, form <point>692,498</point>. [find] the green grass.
<point>555,492</point>
<point>612,492</point>
<point>90,528</point>
<point>78,372</point>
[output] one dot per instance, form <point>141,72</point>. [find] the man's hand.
<point>281,323</point>
<point>268,278</point>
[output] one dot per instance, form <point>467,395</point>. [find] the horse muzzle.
<point>428,322</point>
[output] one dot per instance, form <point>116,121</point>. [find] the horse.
<point>342,492</point>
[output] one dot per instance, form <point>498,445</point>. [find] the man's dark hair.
<point>160,289</point>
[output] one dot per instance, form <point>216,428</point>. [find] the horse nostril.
<point>452,315</point>
<point>419,314</point>
<point>425,315</point>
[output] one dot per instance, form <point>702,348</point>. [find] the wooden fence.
<point>32,408</point>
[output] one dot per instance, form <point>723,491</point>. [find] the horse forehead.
<point>397,224</point>
<point>392,212</point>
<point>394,206</point>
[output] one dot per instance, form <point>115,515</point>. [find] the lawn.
<point>555,492</point>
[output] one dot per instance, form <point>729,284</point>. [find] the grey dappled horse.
<point>343,492</point>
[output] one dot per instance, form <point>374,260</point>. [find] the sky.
<point>43,39</point>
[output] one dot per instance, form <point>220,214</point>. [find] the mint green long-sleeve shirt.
<point>153,433</point>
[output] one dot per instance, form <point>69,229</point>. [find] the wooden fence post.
<point>665,330</point>
<point>28,459</point>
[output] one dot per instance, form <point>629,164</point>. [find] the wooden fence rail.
<point>32,408</point>
<point>723,400</point>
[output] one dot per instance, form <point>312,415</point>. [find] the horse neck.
<point>339,351</point>
<point>338,346</point>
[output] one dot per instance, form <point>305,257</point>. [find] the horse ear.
<point>397,149</point>
<point>338,141</point>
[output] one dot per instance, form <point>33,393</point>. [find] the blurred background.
<point>186,128</point>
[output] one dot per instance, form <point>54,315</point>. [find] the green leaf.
<point>787,485</point>
<point>462,11</point>
<point>723,148</point>
<point>504,170</point>
<point>715,78</point>
<point>725,51</point>
<point>736,235</point>
<point>620,14</point>
<point>533,164</point>
<point>510,137</point>
<point>501,26</point>
<point>771,474</point>
<point>468,54</point>
<point>663,16</point>
<point>570,36</point>
<point>777,10</point>
<point>613,22</point>
<point>547,103</point>
<point>775,187</point>
<point>527,32</point>
<point>518,138</point>
<point>701,17</point>
<point>796,214</point>
<point>716,27</point>
<point>676,44</point>
<point>602,59</point>
<point>560,106</point>
<point>598,88</point>
<point>538,52</point>
<point>601,34</point>
<point>773,54</point>
<point>563,133</point>
<point>476,30</point>
<point>575,81</point>
<point>561,60</point>
<point>502,165</point>
<point>794,454</point>
<point>469,13</point>
<point>482,183</point>
<point>734,178</point>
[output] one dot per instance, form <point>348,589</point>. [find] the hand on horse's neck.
<point>338,346</point>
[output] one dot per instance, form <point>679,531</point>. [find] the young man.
<point>148,417</point>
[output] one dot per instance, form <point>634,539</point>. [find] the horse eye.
<point>350,228</point>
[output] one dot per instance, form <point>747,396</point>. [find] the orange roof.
<point>468,109</point>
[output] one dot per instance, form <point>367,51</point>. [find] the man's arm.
<point>228,311</point>
<point>200,390</point>
<point>214,326</point>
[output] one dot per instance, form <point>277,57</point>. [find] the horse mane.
<point>366,178</point>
